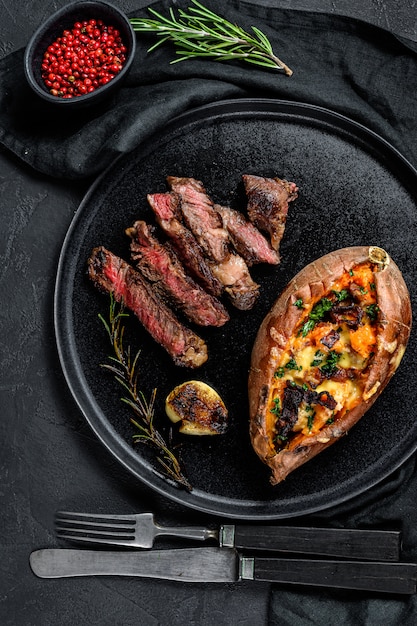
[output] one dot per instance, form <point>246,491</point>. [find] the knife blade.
<point>219,565</point>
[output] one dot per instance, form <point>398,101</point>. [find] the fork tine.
<point>113,542</point>
<point>88,526</point>
<point>94,527</point>
<point>73,516</point>
<point>96,532</point>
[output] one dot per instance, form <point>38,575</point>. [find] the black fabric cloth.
<point>390,504</point>
<point>345,65</point>
<point>348,66</point>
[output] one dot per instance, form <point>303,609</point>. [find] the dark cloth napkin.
<point>348,66</point>
<point>345,65</point>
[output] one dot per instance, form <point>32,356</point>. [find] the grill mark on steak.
<point>168,215</point>
<point>160,264</point>
<point>268,201</point>
<point>111,274</point>
<point>206,224</point>
<point>247,240</point>
<point>201,217</point>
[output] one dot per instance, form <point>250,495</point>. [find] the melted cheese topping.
<point>321,374</point>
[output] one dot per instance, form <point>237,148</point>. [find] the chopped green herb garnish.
<point>317,313</point>
<point>279,372</point>
<point>318,358</point>
<point>307,327</point>
<point>292,365</point>
<point>341,295</point>
<point>310,418</point>
<point>299,303</point>
<point>351,273</point>
<point>276,409</point>
<point>280,438</point>
<point>330,366</point>
<point>372,311</point>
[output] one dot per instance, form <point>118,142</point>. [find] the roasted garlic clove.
<point>198,407</point>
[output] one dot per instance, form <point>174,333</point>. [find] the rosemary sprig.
<point>202,33</point>
<point>124,366</point>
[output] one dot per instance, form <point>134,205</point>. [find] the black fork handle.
<point>372,545</point>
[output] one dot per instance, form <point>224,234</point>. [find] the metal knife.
<point>219,565</point>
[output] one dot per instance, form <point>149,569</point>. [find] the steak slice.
<point>112,274</point>
<point>160,265</point>
<point>205,222</point>
<point>247,240</point>
<point>168,215</point>
<point>201,217</point>
<point>268,201</point>
<point>238,284</point>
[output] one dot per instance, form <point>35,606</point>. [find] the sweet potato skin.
<point>312,283</point>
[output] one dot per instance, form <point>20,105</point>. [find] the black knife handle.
<point>379,577</point>
<point>373,545</point>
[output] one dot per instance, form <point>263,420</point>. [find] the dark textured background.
<point>47,451</point>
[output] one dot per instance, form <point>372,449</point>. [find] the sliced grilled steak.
<point>247,240</point>
<point>201,217</point>
<point>159,264</point>
<point>206,224</point>
<point>112,274</point>
<point>268,200</point>
<point>238,284</point>
<point>168,215</point>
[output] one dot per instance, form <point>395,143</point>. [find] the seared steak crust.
<point>268,200</point>
<point>160,265</point>
<point>206,224</point>
<point>201,217</point>
<point>169,217</point>
<point>112,274</point>
<point>247,240</point>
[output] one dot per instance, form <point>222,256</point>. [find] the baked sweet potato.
<point>324,353</point>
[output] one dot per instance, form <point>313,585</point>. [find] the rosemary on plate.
<point>124,366</point>
<point>202,33</point>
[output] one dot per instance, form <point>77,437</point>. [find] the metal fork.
<point>135,531</point>
<point>140,531</point>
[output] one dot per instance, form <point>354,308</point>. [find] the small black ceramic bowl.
<point>62,20</point>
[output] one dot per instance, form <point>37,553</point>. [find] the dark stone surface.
<point>49,457</point>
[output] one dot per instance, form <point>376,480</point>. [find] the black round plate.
<point>354,189</point>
